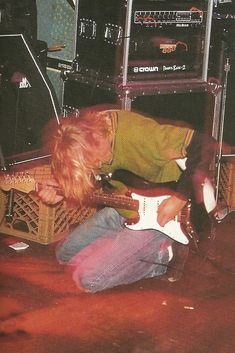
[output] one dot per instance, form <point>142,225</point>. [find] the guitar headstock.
<point>20,181</point>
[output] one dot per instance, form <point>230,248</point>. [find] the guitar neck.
<point>105,199</point>
<point>115,201</point>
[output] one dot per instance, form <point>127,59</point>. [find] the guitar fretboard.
<point>116,201</point>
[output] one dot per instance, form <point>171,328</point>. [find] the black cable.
<point>215,263</point>
<point>202,255</point>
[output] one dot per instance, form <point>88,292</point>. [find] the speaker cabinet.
<point>28,99</point>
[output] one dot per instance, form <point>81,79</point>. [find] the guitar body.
<point>148,207</point>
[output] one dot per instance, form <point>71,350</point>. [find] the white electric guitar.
<point>145,206</point>
<point>147,209</point>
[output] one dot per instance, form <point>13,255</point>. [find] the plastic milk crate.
<point>227,183</point>
<point>31,218</point>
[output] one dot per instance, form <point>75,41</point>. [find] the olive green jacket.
<point>146,147</point>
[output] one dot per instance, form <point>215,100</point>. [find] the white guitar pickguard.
<point>148,207</point>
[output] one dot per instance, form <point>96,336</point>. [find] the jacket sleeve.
<point>200,154</point>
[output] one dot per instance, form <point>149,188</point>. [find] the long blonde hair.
<point>75,146</point>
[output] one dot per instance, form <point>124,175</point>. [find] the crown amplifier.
<point>143,40</point>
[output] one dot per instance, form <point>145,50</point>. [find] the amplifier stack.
<point>128,48</point>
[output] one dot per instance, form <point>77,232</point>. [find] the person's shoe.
<point>176,265</point>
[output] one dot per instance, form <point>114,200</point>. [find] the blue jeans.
<point>103,253</point>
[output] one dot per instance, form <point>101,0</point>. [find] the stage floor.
<point>42,311</point>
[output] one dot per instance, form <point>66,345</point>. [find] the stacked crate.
<point>227,184</point>
<point>31,218</point>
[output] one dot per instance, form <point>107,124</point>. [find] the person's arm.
<point>200,154</point>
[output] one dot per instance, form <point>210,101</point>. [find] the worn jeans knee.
<point>122,259</point>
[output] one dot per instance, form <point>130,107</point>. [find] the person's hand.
<point>48,192</point>
<point>169,209</point>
